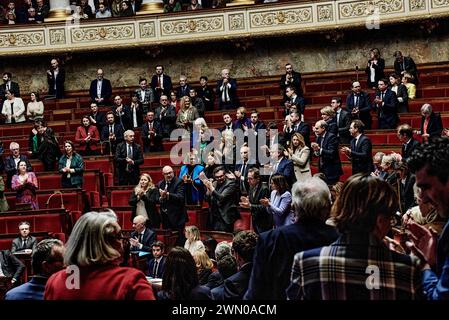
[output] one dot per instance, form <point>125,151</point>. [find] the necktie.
<point>12,113</point>
<point>24,244</point>
<point>242,178</point>
<point>225,92</point>
<point>7,86</point>
<point>161,82</point>
<point>110,129</point>
<point>156,266</point>
<point>382,96</point>
<point>356,104</point>
<point>130,152</point>
<point>140,237</point>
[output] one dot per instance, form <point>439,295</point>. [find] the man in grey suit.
<point>222,196</point>
<point>25,242</point>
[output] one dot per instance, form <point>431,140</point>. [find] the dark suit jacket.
<point>11,168</point>
<point>232,92</point>
<point>235,286</point>
<point>285,168</point>
<point>302,128</point>
<point>410,67</point>
<point>379,68</point>
<point>166,83</point>
<point>183,91</point>
<point>124,117</point>
<point>160,269</point>
<point>262,219</point>
<point>435,126</point>
<point>168,119</point>
<point>361,155</point>
<point>120,158</point>
<point>274,255</point>
<point>207,93</point>
<point>173,211</point>
<point>408,148</point>
<point>59,80</point>
<point>106,90</point>
<point>17,244</point>
<point>11,266</point>
<point>388,112</point>
<point>364,105</point>
<point>149,199</point>
<point>300,104</point>
<point>332,126</point>
<point>296,83</point>
<point>118,131</point>
<point>243,184</point>
<point>139,116</point>
<point>223,201</point>
<point>329,162</point>
<point>100,118</point>
<point>13,87</point>
<point>407,194</point>
<point>149,236</point>
<point>156,139</point>
<point>343,124</point>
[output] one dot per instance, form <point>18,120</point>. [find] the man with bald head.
<point>100,89</point>
<point>56,79</point>
<point>359,105</point>
<point>171,198</point>
<point>142,237</point>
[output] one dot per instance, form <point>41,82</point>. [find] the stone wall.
<point>246,58</point>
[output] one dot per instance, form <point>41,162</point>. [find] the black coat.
<point>295,83</point>
<point>343,124</point>
<point>125,171</point>
<point>364,106</point>
<point>149,236</point>
<point>11,266</point>
<point>149,198</point>
<point>361,155</point>
<point>160,268</point>
<point>407,65</point>
<point>261,218</point>
<point>106,90</point>
<point>235,286</point>
<point>329,162</point>
<point>167,84</point>
<point>223,201</point>
<point>435,126</point>
<point>388,112</point>
<point>232,92</point>
<point>155,142</point>
<point>59,81</point>
<point>408,148</point>
<point>100,119</point>
<point>173,211</point>
<point>379,72</point>
<point>17,244</point>
<point>166,118</point>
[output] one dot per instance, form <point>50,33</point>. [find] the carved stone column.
<point>59,10</point>
<point>151,6</point>
<point>239,3</point>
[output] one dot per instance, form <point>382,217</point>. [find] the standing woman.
<point>71,166</point>
<point>48,151</point>
<point>400,90</point>
<point>35,108</point>
<point>25,184</point>
<point>299,154</point>
<point>189,173</point>
<point>375,68</point>
<point>88,137</point>
<point>186,115</point>
<point>143,201</point>
<point>280,202</point>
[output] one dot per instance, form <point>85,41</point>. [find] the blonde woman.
<point>204,266</point>
<point>193,242</point>
<point>143,201</point>
<point>407,81</point>
<point>299,154</point>
<point>186,115</point>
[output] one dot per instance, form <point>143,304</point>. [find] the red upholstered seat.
<point>120,198</point>
<point>244,223</point>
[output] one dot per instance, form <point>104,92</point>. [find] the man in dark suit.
<point>151,134</point>
<point>161,83</point>
<point>13,160</point>
<point>291,78</point>
<point>145,95</point>
<point>184,87</point>
<point>8,85</point>
<point>222,195</point>
<point>281,164</point>
<point>128,157</point>
<point>253,130</point>
<point>234,287</point>
<point>122,113</point>
<point>25,242</point>
<point>229,125</point>
<point>165,115</point>
<point>100,89</point>
<point>242,168</point>
<point>157,263</point>
<point>97,118</point>
<point>112,134</point>
<point>206,93</point>
<point>358,103</point>
<point>343,120</point>
<point>172,204</point>
<point>361,149</point>
<point>297,126</point>
<point>276,248</point>
<point>386,104</point>
<point>227,91</point>
<point>293,99</point>
<point>141,238</point>
<point>262,220</point>
<point>11,267</point>
<point>326,148</point>
<point>405,136</point>
<point>405,65</point>
<point>56,79</point>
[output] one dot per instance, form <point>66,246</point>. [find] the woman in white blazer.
<point>299,154</point>
<point>18,108</point>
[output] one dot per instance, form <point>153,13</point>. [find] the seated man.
<point>47,259</point>
<point>157,263</point>
<point>25,242</point>
<point>11,267</point>
<point>141,238</point>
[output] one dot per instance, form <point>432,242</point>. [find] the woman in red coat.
<point>88,138</point>
<point>92,257</point>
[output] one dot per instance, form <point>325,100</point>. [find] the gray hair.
<point>92,241</point>
<point>222,249</point>
<point>379,155</point>
<point>311,199</point>
<point>426,108</point>
<point>13,145</point>
<point>127,133</point>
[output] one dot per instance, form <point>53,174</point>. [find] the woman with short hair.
<point>280,201</point>
<point>71,166</point>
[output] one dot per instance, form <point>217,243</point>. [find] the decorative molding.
<point>57,36</point>
<point>193,25</point>
<point>357,9</point>
<point>22,39</point>
<point>325,12</point>
<point>416,5</point>
<point>236,21</point>
<point>440,3</point>
<point>147,29</point>
<point>102,33</point>
<point>280,17</point>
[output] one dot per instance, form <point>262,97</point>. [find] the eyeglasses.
<point>219,177</point>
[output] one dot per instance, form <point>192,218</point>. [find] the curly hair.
<point>244,244</point>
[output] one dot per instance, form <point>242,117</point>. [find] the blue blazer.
<point>285,168</point>
<point>197,193</point>
<point>329,162</point>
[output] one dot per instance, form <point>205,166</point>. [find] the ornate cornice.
<point>235,22</point>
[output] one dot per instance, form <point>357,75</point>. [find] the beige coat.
<point>301,163</point>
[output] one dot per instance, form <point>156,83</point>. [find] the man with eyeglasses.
<point>13,160</point>
<point>172,205</point>
<point>222,195</point>
<point>165,114</point>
